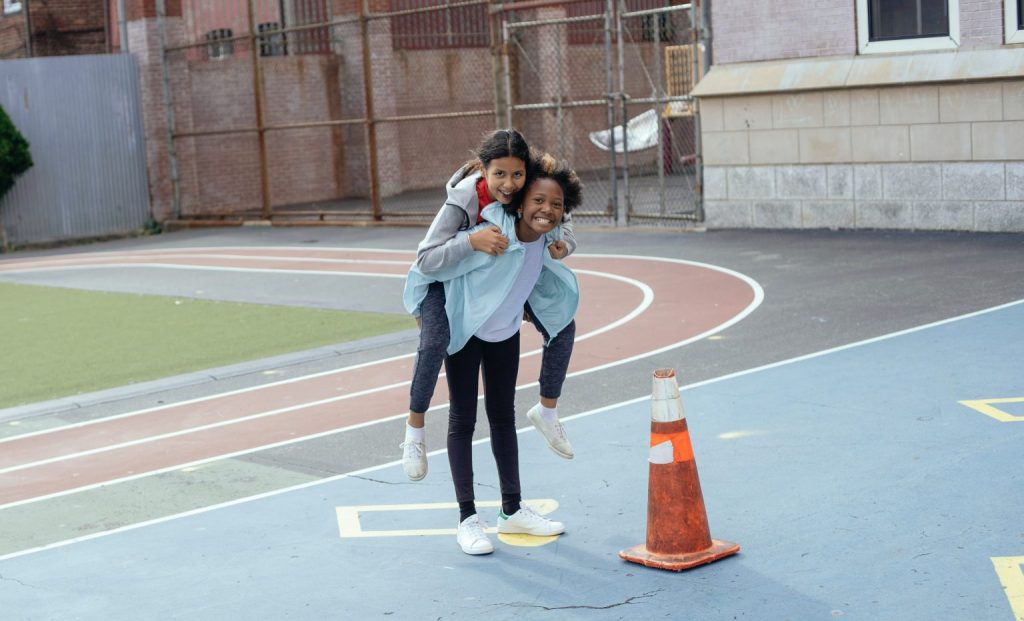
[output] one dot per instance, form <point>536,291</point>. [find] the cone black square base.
<point>678,562</point>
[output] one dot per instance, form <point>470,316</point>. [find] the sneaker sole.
<point>560,453</point>
<point>526,532</point>
<point>477,552</point>
<point>517,531</point>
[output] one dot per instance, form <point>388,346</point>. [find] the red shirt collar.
<point>483,197</point>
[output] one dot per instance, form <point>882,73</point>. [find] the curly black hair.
<point>546,166</point>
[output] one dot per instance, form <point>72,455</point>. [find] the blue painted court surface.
<point>857,484</point>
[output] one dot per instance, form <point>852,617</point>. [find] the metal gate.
<point>607,88</point>
<point>82,118</point>
<point>313,111</point>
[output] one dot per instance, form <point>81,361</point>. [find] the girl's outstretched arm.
<point>446,241</point>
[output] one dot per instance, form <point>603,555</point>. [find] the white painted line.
<point>208,268</point>
<point>350,527</point>
<point>223,252</point>
<point>648,297</point>
<point>600,410</point>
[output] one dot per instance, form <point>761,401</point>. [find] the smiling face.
<point>505,176</point>
<point>542,209</point>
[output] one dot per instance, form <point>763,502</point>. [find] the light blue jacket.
<point>476,286</point>
<point>447,239</point>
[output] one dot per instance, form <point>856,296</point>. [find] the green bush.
<point>14,155</point>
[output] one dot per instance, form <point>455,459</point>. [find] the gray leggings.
<point>434,337</point>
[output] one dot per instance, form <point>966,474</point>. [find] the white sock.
<point>414,434</point>
<point>549,414</point>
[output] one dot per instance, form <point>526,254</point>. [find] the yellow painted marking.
<point>526,541</point>
<point>1011,575</point>
<point>350,527</point>
<point>985,407</point>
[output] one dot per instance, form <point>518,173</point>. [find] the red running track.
<point>631,307</point>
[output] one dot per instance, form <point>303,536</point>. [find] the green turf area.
<point>62,342</point>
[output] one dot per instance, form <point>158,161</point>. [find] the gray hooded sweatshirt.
<point>447,239</point>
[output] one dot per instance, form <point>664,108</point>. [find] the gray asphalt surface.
<point>822,290</point>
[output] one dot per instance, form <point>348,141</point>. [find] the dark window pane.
<point>907,19</point>
<point>444,28</point>
<point>634,29</point>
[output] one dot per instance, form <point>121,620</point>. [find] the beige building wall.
<point>931,156</point>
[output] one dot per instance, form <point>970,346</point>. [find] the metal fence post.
<point>613,199</point>
<point>172,152</point>
<point>659,92</point>
<point>623,214</point>
<point>261,129</point>
<point>122,26</point>
<point>499,64</point>
<point>699,24</point>
<point>371,123</point>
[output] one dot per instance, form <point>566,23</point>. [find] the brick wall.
<point>220,174</point>
<point>13,35</point>
<point>64,27</point>
<point>981,23</point>
<point>747,31</point>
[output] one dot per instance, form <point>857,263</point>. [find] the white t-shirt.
<point>508,318</point>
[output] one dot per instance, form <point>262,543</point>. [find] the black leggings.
<point>500,364</point>
<point>434,336</point>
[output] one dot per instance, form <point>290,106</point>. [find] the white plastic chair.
<point>641,130</point>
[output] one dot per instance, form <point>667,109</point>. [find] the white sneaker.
<point>529,522</point>
<point>472,538</point>
<point>554,433</point>
<point>414,459</point>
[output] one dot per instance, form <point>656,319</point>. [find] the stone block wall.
<point>934,157</point>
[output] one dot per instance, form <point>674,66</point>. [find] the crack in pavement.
<point>4,578</point>
<point>626,602</point>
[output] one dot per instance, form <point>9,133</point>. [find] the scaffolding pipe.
<point>371,126</point>
<point>257,87</point>
<point>533,4</point>
<point>172,152</point>
<point>498,52</point>
<point>508,76</point>
<point>122,26</point>
<point>698,21</point>
<point>623,215</point>
<point>613,200</point>
<point>659,91</point>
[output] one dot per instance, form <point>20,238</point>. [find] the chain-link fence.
<point>260,125</point>
<point>609,92</point>
<point>323,110</point>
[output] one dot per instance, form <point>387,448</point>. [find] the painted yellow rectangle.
<point>986,407</point>
<point>1011,575</point>
<point>350,527</point>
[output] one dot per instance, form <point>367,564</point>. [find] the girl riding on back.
<point>485,297</point>
<point>496,176</point>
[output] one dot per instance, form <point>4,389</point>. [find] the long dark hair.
<point>496,145</point>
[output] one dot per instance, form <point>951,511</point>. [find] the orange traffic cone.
<point>677,523</point>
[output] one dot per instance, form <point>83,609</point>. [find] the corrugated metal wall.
<point>82,119</point>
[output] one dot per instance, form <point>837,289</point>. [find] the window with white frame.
<point>12,6</point>
<point>1014,20</point>
<point>908,25</point>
